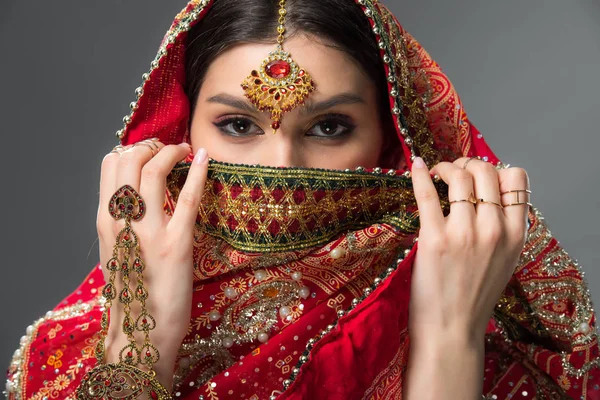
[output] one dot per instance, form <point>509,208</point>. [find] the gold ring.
<point>518,201</point>
<point>479,201</point>
<point>152,142</point>
<point>471,199</point>
<point>147,145</point>
<point>469,160</point>
<point>117,149</point>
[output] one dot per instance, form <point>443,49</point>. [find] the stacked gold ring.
<point>150,144</point>
<point>118,149</point>
<point>518,199</point>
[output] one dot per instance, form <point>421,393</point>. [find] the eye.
<point>238,126</point>
<point>332,126</point>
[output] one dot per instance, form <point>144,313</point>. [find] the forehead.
<point>332,70</point>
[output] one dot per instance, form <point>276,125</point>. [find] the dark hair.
<point>340,22</point>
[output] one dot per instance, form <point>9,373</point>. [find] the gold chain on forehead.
<point>279,85</point>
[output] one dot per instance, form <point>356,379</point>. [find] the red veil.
<point>344,332</point>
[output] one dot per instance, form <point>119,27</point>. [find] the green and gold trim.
<point>264,209</point>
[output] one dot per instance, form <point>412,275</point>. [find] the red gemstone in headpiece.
<point>278,69</point>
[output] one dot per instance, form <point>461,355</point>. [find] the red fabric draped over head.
<point>349,338</point>
<point>436,130</point>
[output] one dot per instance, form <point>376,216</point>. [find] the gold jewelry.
<point>469,160</point>
<point>147,144</point>
<point>124,378</point>
<point>479,201</point>
<point>518,201</point>
<point>279,85</point>
<point>117,149</point>
<point>471,199</point>
<point>121,381</point>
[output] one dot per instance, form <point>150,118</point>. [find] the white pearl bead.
<point>284,311</point>
<point>230,292</point>
<point>338,252</point>
<point>296,275</point>
<point>9,387</point>
<point>260,274</point>
<point>304,292</point>
<point>584,328</point>
<point>263,337</point>
<point>23,340</point>
<point>227,342</point>
<point>214,315</point>
<point>17,353</point>
<point>29,330</point>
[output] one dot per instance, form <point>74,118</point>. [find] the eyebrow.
<point>308,108</point>
<point>339,99</point>
<point>232,101</point>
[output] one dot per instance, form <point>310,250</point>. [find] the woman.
<point>297,281</point>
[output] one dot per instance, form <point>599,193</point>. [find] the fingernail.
<point>185,145</point>
<point>201,156</point>
<point>419,163</point>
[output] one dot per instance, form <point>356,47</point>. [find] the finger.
<point>486,186</point>
<point>153,184</point>
<point>515,179</point>
<point>188,202</point>
<point>104,222</point>
<point>427,198</point>
<point>108,179</point>
<point>460,187</point>
<point>131,162</point>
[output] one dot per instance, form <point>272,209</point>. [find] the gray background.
<point>527,73</point>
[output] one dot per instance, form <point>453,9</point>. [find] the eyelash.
<point>338,119</point>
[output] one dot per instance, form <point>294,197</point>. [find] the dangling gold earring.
<point>279,85</point>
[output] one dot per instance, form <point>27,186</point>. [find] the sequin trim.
<point>14,383</point>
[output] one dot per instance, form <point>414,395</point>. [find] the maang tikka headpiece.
<point>279,85</point>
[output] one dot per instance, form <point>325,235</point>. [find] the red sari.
<point>334,283</point>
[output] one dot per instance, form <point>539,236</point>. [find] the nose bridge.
<point>284,151</point>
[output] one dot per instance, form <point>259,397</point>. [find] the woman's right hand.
<point>166,244</point>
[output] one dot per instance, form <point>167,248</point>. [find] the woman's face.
<point>338,127</point>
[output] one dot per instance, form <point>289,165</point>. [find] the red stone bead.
<point>153,395</point>
<point>129,354</point>
<point>278,69</point>
<point>107,382</point>
<point>275,125</point>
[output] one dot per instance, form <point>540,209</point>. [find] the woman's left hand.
<point>462,265</point>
